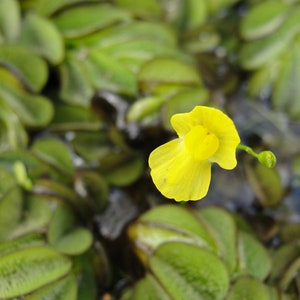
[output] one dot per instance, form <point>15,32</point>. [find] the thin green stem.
<point>247,149</point>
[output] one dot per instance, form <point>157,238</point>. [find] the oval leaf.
<point>32,110</point>
<point>263,19</point>
<point>41,37</point>
<point>65,288</point>
<point>248,288</point>
<point>54,153</point>
<point>31,69</point>
<point>189,272</point>
<point>84,19</point>
<point>10,19</point>
<point>25,270</point>
<point>65,236</point>
<point>248,249</point>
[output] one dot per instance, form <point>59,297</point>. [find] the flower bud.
<point>267,158</point>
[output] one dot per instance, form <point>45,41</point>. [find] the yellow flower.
<point>181,168</point>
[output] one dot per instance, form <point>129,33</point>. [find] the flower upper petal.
<point>216,122</point>
<point>176,174</point>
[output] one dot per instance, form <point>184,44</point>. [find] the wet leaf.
<point>144,9</point>
<point>121,169</point>
<point>106,73</point>
<point>31,69</point>
<point>84,19</point>
<point>286,265</point>
<point>76,88</point>
<point>12,133</point>
<point>65,236</point>
<point>134,53</point>
<point>248,288</point>
<point>50,7</point>
<point>266,184</point>
<point>189,272</point>
<point>223,228</point>
<point>183,101</point>
<point>93,188</point>
<point>249,248</point>
<point>30,268</point>
<point>146,289</point>
<point>216,5</point>
<point>37,215</point>
<point>58,192</point>
<point>290,232</point>
<point>167,71</point>
<point>261,51</point>
<point>55,153</point>
<point>30,240</point>
<point>178,219</point>
<point>263,19</point>
<point>74,118</point>
<point>33,110</point>
<point>65,288</point>
<point>40,36</point>
<point>92,146</point>
<point>157,32</point>
<point>286,92</point>
<point>11,204</point>
<point>10,19</point>
<point>144,108</point>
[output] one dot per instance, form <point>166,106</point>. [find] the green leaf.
<point>266,184</point>
<point>147,289</point>
<point>106,73</point>
<point>32,110</point>
<point>194,15</point>
<point>76,88</point>
<point>65,236</point>
<point>189,272</point>
<point>253,258</point>
<point>30,240</point>
<point>11,202</point>
<point>93,188</point>
<point>54,153</point>
<point>144,108</point>
<point>74,118</point>
<point>49,7</point>
<point>92,146</point>
<point>180,220</point>
<point>12,133</point>
<point>28,269</point>
<point>286,93</point>
<point>31,69</point>
<point>10,19</point>
<point>183,101</point>
<point>159,33</point>
<point>286,265</point>
<point>215,5</point>
<point>57,191</point>
<point>121,169</point>
<point>84,19</point>
<point>248,288</point>
<point>222,227</point>
<point>141,50</point>
<point>145,9</point>
<point>65,288</point>
<point>256,53</point>
<point>38,214</point>
<point>41,37</point>
<point>263,18</point>
<point>167,71</point>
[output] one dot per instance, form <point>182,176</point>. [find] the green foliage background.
<point>87,89</point>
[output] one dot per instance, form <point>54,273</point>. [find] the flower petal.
<point>176,174</point>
